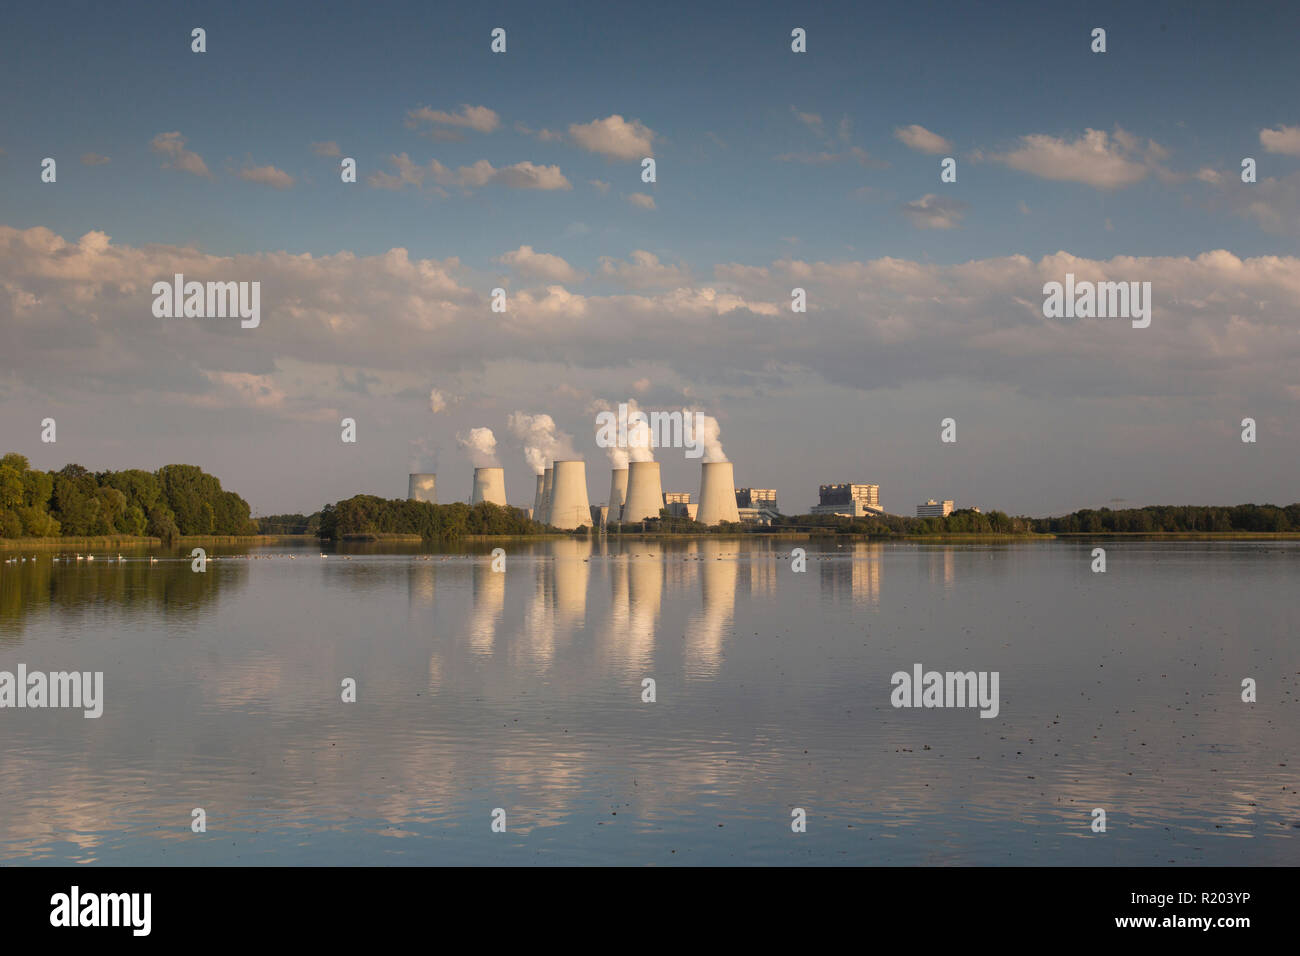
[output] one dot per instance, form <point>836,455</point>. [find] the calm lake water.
<point>479,690</point>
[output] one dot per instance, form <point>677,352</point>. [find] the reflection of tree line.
<point>70,588</point>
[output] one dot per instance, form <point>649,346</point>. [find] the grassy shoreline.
<point>140,541</point>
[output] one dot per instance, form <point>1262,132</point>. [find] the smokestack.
<point>489,485</point>
<point>617,494</point>
<point>548,480</point>
<point>422,487</point>
<point>569,505</point>
<point>645,494</point>
<point>717,493</point>
<point>539,498</point>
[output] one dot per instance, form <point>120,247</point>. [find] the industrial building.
<point>489,486</point>
<point>645,493</point>
<point>849,500</point>
<point>757,505</point>
<point>539,498</point>
<point>617,494</point>
<point>934,509</point>
<point>422,487</point>
<point>717,494</point>
<point>569,507</point>
<point>679,504</point>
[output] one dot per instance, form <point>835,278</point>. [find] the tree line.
<point>363,515</point>
<point>1161,518</point>
<point>76,502</point>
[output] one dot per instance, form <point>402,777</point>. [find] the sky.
<point>522,171</point>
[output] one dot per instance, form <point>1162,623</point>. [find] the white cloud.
<point>615,137</point>
<point>1284,139</point>
<point>641,200</point>
<point>644,270</point>
<point>919,138</point>
<point>600,185</point>
<point>542,265</point>
<point>523,175</point>
<point>172,145</point>
<point>1095,159</point>
<point>267,176</point>
<point>934,212</point>
<point>478,118</point>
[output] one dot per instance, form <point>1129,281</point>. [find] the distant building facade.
<point>850,500</point>
<point>934,509</point>
<point>757,505</point>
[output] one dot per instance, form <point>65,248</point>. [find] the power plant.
<point>548,478</point>
<point>489,486</point>
<point>717,494</point>
<point>539,498</point>
<point>569,507</point>
<point>422,487</point>
<point>617,494</point>
<point>645,494</point>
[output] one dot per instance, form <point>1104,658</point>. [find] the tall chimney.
<point>717,494</point>
<point>645,495</point>
<point>569,505</point>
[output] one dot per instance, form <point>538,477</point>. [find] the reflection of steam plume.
<point>541,439</point>
<point>709,629</point>
<point>480,445</point>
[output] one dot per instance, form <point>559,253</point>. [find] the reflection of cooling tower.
<point>717,494</point>
<point>422,488</point>
<point>569,505</point>
<point>548,480</point>
<point>540,498</point>
<point>645,495</point>
<point>489,486</point>
<point>617,494</point>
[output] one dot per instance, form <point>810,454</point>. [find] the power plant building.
<point>757,505</point>
<point>617,494</point>
<point>717,494</point>
<point>422,487</point>
<point>645,493</point>
<point>934,509</point>
<point>489,486</point>
<point>850,500</point>
<point>569,507</point>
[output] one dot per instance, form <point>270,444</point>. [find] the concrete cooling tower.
<point>489,486</point>
<point>645,495</point>
<point>548,480</point>
<point>422,488</point>
<point>539,497</point>
<point>617,494</point>
<point>569,505</point>
<point>717,493</point>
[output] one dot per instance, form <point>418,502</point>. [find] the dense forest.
<point>1158,518</point>
<point>371,515</point>
<point>74,502</point>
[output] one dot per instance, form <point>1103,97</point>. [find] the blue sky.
<point>736,120</point>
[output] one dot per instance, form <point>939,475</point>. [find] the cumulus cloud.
<point>94,159</point>
<point>542,265</point>
<point>934,212</point>
<point>267,176</point>
<point>921,139</point>
<point>172,146</point>
<point>78,326</point>
<point>641,200</point>
<point>600,185</point>
<point>522,175</point>
<point>436,122</point>
<point>615,137</point>
<point>1284,139</point>
<point>1097,159</point>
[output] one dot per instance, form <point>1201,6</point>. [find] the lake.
<point>522,691</point>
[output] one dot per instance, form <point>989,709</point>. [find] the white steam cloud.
<point>481,446</point>
<point>541,439</point>
<point>709,434</point>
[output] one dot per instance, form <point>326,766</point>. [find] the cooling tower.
<point>539,498</point>
<point>645,495</point>
<point>717,493</point>
<point>548,479</point>
<point>569,506</point>
<point>422,488</point>
<point>617,494</point>
<point>489,486</point>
